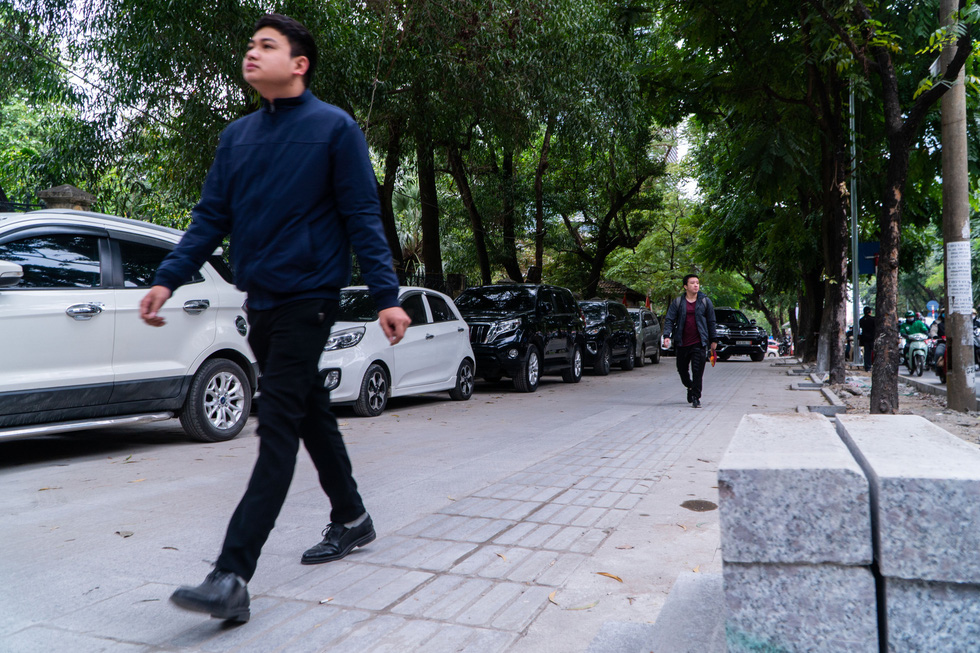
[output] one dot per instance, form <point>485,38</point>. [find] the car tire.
<point>724,357</point>
<point>373,397</point>
<point>527,380</point>
<point>601,364</point>
<point>655,359</point>
<point>218,402</point>
<point>641,360</point>
<point>757,357</point>
<point>574,373</point>
<point>463,389</point>
<point>629,362</point>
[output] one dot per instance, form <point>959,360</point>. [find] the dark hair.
<point>301,43</point>
<point>688,277</point>
<point>867,309</point>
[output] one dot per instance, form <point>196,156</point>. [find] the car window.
<point>619,311</point>
<point>440,309</point>
<point>564,301</point>
<point>140,262</point>
<point>495,298</point>
<point>415,308</point>
<point>545,298</point>
<point>594,312</point>
<point>730,316</point>
<point>356,306</point>
<point>648,320</point>
<point>56,261</point>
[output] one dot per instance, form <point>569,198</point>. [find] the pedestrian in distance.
<point>293,186</point>
<point>867,338</point>
<point>692,316</point>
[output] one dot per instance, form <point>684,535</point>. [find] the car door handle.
<point>429,336</point>
<point>460,330</point>
<point>84,311</point>
<point>195,306</point>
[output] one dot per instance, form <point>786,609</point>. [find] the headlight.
<point>500,328</point>
<point>344,339</point>
<point>722,330</point>
<point>593,331</point>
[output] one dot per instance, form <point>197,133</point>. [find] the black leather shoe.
<point>696,403</point>
<point>222,594</point>
<point>338,541</point>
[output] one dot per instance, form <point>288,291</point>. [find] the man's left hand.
<point>394,321</point>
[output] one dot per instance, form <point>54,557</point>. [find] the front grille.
<point>478,333</point>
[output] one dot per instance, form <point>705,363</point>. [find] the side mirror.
<point>752,322</point>
<point>10,274</point>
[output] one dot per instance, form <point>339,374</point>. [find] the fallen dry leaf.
<point>173,548</point>
<point>125,533</point>
<point>585,607</point>
<point>625,546</point>
<point>139,480</point>
<point>502,557</point>
<point>697,569</point>
<point>631,599</point>
<point>683,526</point>
<point>48,488</point>
<point>451,498</point>
<point>551,597</point>
<point>608,575</point>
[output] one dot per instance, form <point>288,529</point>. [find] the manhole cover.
<point>699,505</point>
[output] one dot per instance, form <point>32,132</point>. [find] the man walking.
<point>867,338</point>
<point>293,185</point>
<point>692,315</point>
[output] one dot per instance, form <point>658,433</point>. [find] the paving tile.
<point>411,636</point>
<point>557,574</point>
<point>608,499</point>
<point>425,524</point>
<point>416,603</point>
<point>516,534</point>
<point>564,538</point>
<point>395,548</point>
<point>452,638</point>
<point>334,585</point>
<point>43,638</point>
<point>483,611</point>
<point>521,612</point>
<point>492,562</point>
<point>448,606</point>
<point>489,641</point>
<point>435,555</point>
<point>500,491</point>
<point>265,621</point>
<point>369,632</point>
<point>589,541</point>
<point>380,589</point>
<point>611,519</point>
<point>532,535</point>
<point>531,567</point>
<point>629,502</point>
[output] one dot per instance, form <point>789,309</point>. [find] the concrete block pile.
<point>812,511</point>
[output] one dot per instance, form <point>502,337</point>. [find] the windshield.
<point>636,318</point>
<point>356,306</point>
<point>476,300</point>
<point>593,312</point>
<point>728,316</point>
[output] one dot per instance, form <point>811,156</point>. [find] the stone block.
<point>789,608</point>
<point>925,489</point>
<point>790,492</point>
<point>932,616</point>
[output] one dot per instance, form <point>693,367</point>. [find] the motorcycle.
<point>785,347</point>
<point>915,359</point>
<point>941,358</point>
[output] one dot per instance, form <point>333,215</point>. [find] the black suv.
<point>523,331</point>
<point>610,336</point>
<point>739,335</point>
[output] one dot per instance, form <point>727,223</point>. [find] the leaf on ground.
<point>502,557</point>
<point>129,457</point>
<point>631,599</point>
<point>700,524</point>
<point>585,607</point>
<point>608,575</point>
<point>171,548</point>
<point>326,600</point>
<point>682,526</point>
<point>49,488</point>
<point>342,424</point>
<point>697,569</point>
<point>625,546</point>
<point>551,597</point>
<point>451,498</point>
<point>139,480</point>
<point>125,533</point>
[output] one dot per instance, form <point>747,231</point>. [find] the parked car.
<point>76,354</point>
<point>610,336</point>
<point>648,336</point>
<point>523,331</point>
<point>772,348</point>
<point>738,335</point>
<point>360,367</point>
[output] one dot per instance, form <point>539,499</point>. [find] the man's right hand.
<point>666,343</point>
<point>151,304</point>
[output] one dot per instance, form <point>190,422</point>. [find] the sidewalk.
<point>576,551</point>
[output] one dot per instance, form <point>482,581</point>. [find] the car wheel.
<point>724,357</point>
<point>641,360</point>
<point>574,373</point>
<point>530,374</point>
<point>463,389</point>
<point>373,397</point>
<point>602,361</point>
<point>757,357</point>
<point>630,361</point>
<point>218,402</point>
<point>655,359</point>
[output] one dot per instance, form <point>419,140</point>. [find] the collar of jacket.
<point>285,103</point>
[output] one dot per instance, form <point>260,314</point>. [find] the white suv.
<point>75,353</point>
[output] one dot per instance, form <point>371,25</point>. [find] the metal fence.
<point>18,207</point>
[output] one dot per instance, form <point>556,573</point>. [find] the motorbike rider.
<point>911,325</point>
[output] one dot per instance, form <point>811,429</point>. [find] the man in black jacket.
<point>867,337</point>
<point>692,315</point>
<point>293,185</point>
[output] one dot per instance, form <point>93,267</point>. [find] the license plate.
<point>743,342</point>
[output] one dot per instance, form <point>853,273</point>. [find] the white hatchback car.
<point>76,354</point>
<point>362,368</point>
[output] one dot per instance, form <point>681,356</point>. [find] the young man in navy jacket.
<point>292,183</point>
<point>692,316</point>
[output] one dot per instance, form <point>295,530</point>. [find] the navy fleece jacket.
<point>293,185</point>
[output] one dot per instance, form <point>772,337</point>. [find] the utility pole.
<point>855,277</point>
<point>960,392</point>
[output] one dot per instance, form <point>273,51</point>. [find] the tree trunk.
<point>386,192</point>
<point>835,239</point>
<point>534,274</point>
<point>811,302</point>
<point>511,265</point>
<point>429,201</point>
<point>458,171</point>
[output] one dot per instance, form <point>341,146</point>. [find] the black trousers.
<point>868,351</point>
<point>287,342</point>
<point>690,365</point>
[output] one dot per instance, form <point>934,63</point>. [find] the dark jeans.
<point>690,365</point>
<point>287,342</point>
<point>868,356</point>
